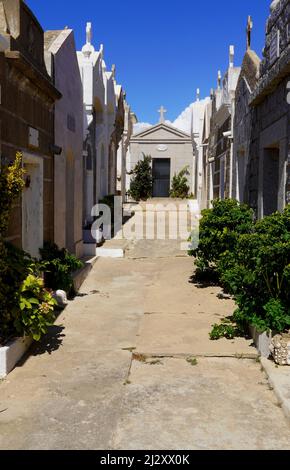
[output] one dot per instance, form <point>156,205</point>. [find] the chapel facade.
<point>171,150</point>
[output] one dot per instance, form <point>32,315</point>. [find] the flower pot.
<point>11,353</point>
<point>262,340</point>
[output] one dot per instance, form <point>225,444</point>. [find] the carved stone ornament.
<point>280,349</point>
<point>162,148</point>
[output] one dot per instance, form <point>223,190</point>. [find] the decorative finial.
<point>197,94</point>
<point>162,112</point>
<point>249,32</point>
<point>89,33</point>
<point>232,56</point>
<point>219,79</point>
<point>88,48</point>
<point>211,93</point>
<point>114,70</point>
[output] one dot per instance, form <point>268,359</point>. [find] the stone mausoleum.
<point>27,104</point>
<point>269,179</point>
<point>170,149</point>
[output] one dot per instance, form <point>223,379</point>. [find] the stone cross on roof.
<point>162,112</point>
<point>219,79</point>
<point>249,32</point>
<point>89,33</point>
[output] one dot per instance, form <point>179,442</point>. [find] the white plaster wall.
<point>69,165</point>
<point>180,154</point>
<point>32,205</point>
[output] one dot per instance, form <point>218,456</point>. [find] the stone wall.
<point>271,117</point>
<point>62,63</point>
<point>243,122</point>
<point>27,99</point>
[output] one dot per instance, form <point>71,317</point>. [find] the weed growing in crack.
<point>192,361</point>
<point>139,357</point>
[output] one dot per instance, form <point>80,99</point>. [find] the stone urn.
<point>280,349</point>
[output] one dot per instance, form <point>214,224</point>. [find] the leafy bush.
<point>36,308</point>
<point>180,188</point>
<point>12,270</point>
<point>58,266</point>
<point>226,329</point>
<point>26,307</point>
<point>17,269</point>
<point>142,182</point>
<point>257,274</point>
<point>219,230</point>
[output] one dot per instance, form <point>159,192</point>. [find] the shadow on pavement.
<point>51,342</point>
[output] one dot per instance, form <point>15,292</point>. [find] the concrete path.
<point>129,365</point>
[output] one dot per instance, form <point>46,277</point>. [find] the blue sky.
<point>163,50</point>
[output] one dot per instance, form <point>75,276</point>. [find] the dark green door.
<point>161,177</point>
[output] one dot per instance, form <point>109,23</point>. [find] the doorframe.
<point>170,170</point>
<point>35,160</point>
<point>275,134</point>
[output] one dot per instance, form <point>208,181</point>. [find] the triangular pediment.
<point>162,131</point>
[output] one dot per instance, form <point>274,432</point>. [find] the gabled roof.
<point>250,70</point>
<point>54,40</point>
<point>162,126</point>
<point>50,37</point>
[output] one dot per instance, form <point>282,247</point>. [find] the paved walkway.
<point>132,367</point>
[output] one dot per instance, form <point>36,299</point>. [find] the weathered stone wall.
<point>243,169</point>
<point>27,100</point>
<point>271,114</point>
<point>279,20</point>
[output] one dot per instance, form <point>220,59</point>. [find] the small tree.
<point>26,307</point>
<point>11,185</point>
<point>180,188</point>
<point>142,182</point>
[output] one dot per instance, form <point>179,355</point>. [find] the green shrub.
<point>12,272</point>
<point>225,329</point>
<point>58,266</point>
<point>180,188</point>
<point>257,274</point>
<point>17,269</point>
<point>26,307</point>
<point>219,230</point>
<point>142,183</point>
<point>36,308</point>
<point>252,263</point>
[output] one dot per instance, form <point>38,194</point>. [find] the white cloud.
<point>141,126</point>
